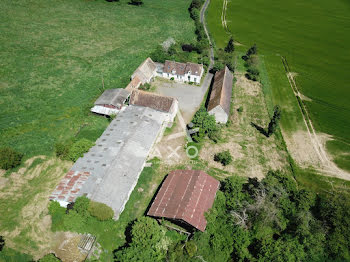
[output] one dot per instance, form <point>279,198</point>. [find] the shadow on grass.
<point>260,129</point>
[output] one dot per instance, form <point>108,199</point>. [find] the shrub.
<point>62,149</point>
<point>172,78</point>
<point>240,109</point>
<point>9,158</point>
<point>81,206</point>
<point>224,157</point>
<point>2,243</point>
<point>230,46</point>
<point>136,2</point>
<point>79,148</point>
<point>145,86</point>
<point>187,48</point>
<point>191,248</point>
<point>101,211</point>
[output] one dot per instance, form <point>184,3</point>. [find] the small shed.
<point>111,101</point>
<point>185,196</point>
<point>220,98</point>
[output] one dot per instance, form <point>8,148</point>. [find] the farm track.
<point>223,14</point>
<point>202,18</point>
<point>328,166</point>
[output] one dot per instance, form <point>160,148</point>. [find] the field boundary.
<point>328,166</point>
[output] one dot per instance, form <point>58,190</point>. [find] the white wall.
<point>220,115</point>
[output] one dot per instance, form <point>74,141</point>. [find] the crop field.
<point>313,36</point>
<point>54,54</point>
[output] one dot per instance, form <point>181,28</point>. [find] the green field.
<point>313,36</point>
<point>53,55</point>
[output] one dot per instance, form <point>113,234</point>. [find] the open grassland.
<point>314,37</point>
<point>53,55</point>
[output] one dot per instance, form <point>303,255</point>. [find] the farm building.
<point>111,101</point>
<point>182,72</point>
<point>110,170</point>
<point>220,97</point>
<point>185,196</point>
<point>166,104</point>
<point>143,74</point>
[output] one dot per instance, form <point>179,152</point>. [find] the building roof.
<point>222,90</point>
<point>117,159</point>
<point>115,97</point>
<point>134,84</point>
<point>69,187</point>
<point>145,71</point>
<point>152,100</point>
<point>172,67</point>
<point>185,195</point>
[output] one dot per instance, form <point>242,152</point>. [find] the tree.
<point>205,122</point>
<point>148,242</point>
<point>252,51</point>
<point>230,46</point>
<point>9,158</point>
<point>274,121</point>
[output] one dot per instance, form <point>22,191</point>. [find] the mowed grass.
<point>53,55</point>
<point>314,37</point>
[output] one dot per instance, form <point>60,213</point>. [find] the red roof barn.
<point>185,195</point>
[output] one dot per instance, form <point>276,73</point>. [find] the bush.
<point>2,243</point>
<point>62,150</point>
<point>81,206</point>
<point>9,158</point>
<point>224,157</point>
<point>146,86</point>
<point>79,148</point>
<point>187,48</point>
<point>172,78</point>
<point>191,248</point>
<point>240,109</point>
<point>136,2</point>
<point>101,211</point>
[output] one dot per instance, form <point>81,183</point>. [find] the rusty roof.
<point>185,195</point>
<point>222,90</point>
<point>177,68</point>
<point>69,186</point>
<point>152,100</point>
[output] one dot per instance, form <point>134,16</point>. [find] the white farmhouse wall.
<point>183,78</point>
<point>220,115</point>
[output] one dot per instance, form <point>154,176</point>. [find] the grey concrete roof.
<point>118,157</point>
<point>115,97</point>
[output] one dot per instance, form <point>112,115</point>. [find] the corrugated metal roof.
<point>222,90</point>
<point>115,97</point>
<point>185,195</point>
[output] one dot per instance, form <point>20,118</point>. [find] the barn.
<point>184,197</point>
<point>111,101</point>
<point>220,97</point>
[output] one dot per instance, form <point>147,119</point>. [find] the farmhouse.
<point>111,101</point>
<point>183,72</point>
<point>143,74</point>
<point>220,97</point>
<point>185,196</point>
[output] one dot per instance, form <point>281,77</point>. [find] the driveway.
<point>190,97</point>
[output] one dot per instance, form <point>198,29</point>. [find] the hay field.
<point>314,37</point>
<point>53,55</point>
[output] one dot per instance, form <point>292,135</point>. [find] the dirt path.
<point>327,165</point>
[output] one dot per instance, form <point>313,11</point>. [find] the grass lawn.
<point>313,36</point>
<point>54,54</point>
